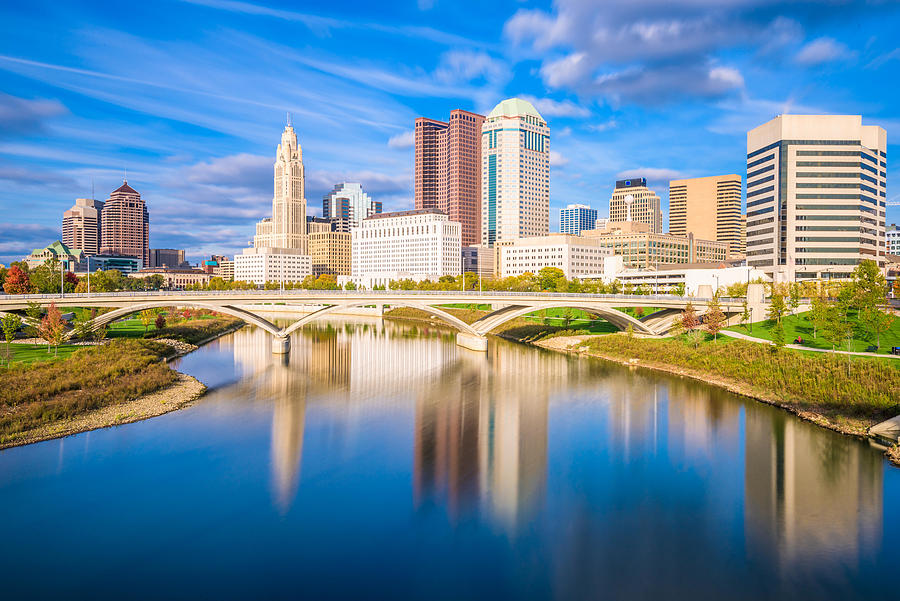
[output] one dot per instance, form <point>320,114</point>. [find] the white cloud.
<point>653,174</point>
<point>406,139</point>
<point>608,124</point>
<point>557,108</point>
<point>557,159</point>
<point>566,71</point>
<point>821,50</point>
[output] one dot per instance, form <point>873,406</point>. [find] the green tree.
<point>876,321</point>
<point>869,286</point>
<point>777,310</point>
<point>34,312</point>
<point>678,289</point>
<point>745,315</point>
<point>715,318</point>
<point>837,327</point>
<point>349,286</point>
<point>793,297</point>
<point>147,316</point>
<point>818,313</point>
<point>10,324</point>
<point>567,316</point>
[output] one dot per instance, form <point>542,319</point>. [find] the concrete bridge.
<point>506,307</point>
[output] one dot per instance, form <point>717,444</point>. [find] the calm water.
<point>382,461</point>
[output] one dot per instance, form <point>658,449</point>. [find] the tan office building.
<point>632,200</point>
<point>707,207</point>
<point>125,228</point>
<point>641,248</point>
<point>81,225</point>
<point>330,252</point>
<point>816,195</point>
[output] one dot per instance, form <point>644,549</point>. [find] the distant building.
<point>575,218</point>
<point>600,223</point>
<point>318,224</point>
<point>574,255</point>
<point>287,227</point>
<point>175,278</point>
<point>219,266</point>
<point>81,226</point>
<point>125,228</point>
<point>892,235</point>
<point>419,244</point>
<point>707,207</point>
<point>632,200</point>
<point>479,259</point>
<point>348,201</point>
<point>329,252</point>
<point>640,248</point>
<point>261,265</point>
<point>122,263</point>
<point>515,173</point>
<point>167,257</point>
<point>448,169</point>
<point>816,195</point>
<point>70,258</point>
<point>664,277</point>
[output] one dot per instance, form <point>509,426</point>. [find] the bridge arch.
<point>241,314</point>
<point>444,316</point>
<point>619,319</point>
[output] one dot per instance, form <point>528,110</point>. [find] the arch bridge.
<point>246,305</point>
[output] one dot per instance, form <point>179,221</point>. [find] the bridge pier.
<point>472,342</point>
<point>281,345</point>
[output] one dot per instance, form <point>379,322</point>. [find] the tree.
<point>869,286</point>
<point>160,321</point>
<point>52,328</point>
<point>818,313</point>
<point>689,323</point>
<point>794,297</point>
<point>34,311</point>
<point>776,312</point>
<point>678,289</point>
<point>745,315</point>
<point>100,333</point>
<point>17,281</point>
<point>567,316</point>
<point>147,316</point>
<point>877,321</point>
<point>715,318</point>
<point>837,328</point>
<point>349,286</point>
<point>10,324</point>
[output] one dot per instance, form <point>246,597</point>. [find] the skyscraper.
<point>81,226</point>
<point>515,174</point>
<point>575,218</point>
<point>816,195</point>
<point>287,226</point>
<point>632,200</point>
<point>348,201</point>
<point>708,207</point>
<point>448,161</point>
<point>126,224</point>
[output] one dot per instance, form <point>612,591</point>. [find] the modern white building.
<point>575,218</point>
<point>816,196</point>
<point>574,255</point>
<point>664,278</point>
<point>515,173</point>
<point>600,223</point>
<point>892,236</point>
<point>419,244</point>
<point>261,265</point>
<point>348,201</point>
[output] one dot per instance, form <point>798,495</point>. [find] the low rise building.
<point>419,244</point>
<point>330,252</point>
<point>663,278</point>
<point>72,259</point>
<point>123,263</point>
<point>576,256</point>
<point>575,218</point>
<point>261,264</point>
<point>175,278</point>
<point>640,248</point>
<point>479,259</point>
<point>892,235</point>
<point>167,257</point>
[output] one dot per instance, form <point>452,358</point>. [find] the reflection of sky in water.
<point>381,460</point>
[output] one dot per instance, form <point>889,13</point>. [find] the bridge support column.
<point>471,342</point>
<point>281,345</point>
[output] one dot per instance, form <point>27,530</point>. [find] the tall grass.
<point>815,382</point>
<point>195,330</point>
<point>90,378</point>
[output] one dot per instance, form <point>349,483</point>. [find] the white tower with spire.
<point>287,226</point>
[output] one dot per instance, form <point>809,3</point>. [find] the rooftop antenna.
<point>289,119</point>
<point>92,188</point>
<point>126,175</point>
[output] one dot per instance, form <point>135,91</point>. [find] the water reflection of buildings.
<point>811,496</point>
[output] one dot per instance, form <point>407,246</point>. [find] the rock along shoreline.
<point>182,393</point>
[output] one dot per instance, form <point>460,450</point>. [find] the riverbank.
<point>122,381</point>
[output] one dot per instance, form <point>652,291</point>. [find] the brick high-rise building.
<point>448,169</point>
<point>81,226</point>
<point>126,224</point>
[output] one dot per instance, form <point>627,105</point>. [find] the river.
<point>380,460</point>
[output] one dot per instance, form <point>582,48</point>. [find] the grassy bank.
<point>90,378</point>
<point>800,325</point>
<point>195,331</point>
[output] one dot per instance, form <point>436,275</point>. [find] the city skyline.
<point>97,96</point>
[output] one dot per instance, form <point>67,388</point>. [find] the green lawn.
<point>799,325</point>
<point>128,328</point>
<point>30,353</point>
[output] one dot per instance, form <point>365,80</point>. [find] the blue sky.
<point>190,96</point>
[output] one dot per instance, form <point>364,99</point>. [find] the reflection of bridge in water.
<point>506,307</point>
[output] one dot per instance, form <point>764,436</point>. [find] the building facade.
<point>125,225</point>
<point>71,259</point>
<point>575,218</point>
<point>479,259</point>
<point>418,244</point>
<point>515,173</point>
<point>707,207</point>
<point>261,265</point>
<point>632,200</point>
<point>348,201</point>
<point>123,263</point>
<point>81,226</point>
<point>448,169</point>
<point>574,255</point>
<point>167,257</point>
<point>642,249</point>
<point>892,239</point>
<point>287,227</point>
<point>816,195</point>
<point>329,252</point>
<point>175,278</point>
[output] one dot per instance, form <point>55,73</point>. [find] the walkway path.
<point>800,347</point>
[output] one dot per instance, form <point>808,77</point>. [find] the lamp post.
<point>62,279</point>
